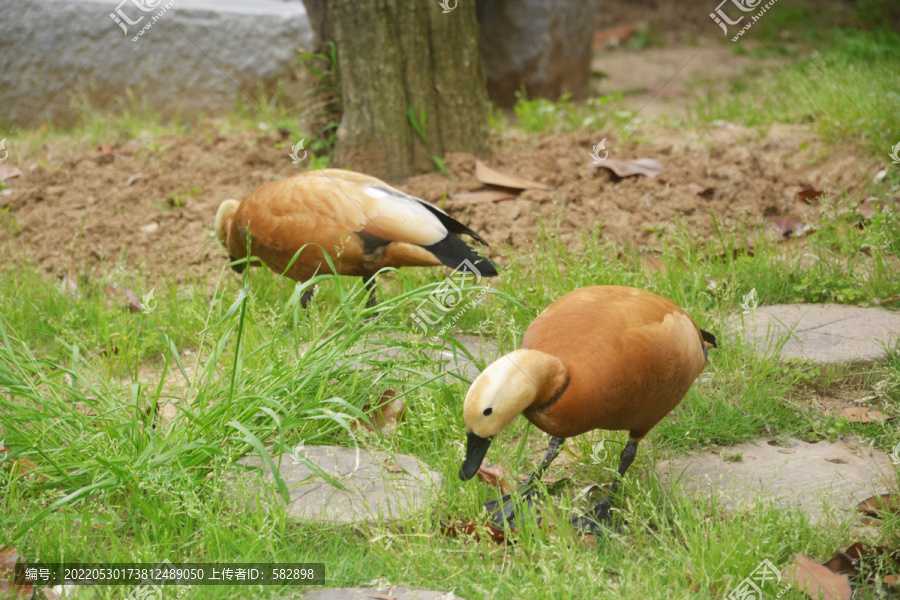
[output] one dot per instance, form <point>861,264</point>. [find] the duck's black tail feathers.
<point>454,253</point>
<point>708,338</point>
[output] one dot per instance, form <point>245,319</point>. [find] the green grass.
<point>81,383</point>
<point>845,86</point>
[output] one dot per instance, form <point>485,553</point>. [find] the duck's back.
<point>631,357</point>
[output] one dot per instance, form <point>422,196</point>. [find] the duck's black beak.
<point>476,448</point>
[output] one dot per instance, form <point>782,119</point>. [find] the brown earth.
<point>80,213</point>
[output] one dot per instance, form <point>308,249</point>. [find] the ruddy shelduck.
<point>362,223</point>
<point>600,357</point>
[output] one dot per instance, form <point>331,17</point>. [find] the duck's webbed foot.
<point>502,511</point>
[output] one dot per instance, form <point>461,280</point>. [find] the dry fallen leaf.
<point>891,580</point>
<point>816,580</point>
<point>386,412</point>
<point>484,196</point>
<point>614,35</point>
<point>701,190</point>
<point>105,149</point>
<point>876,505</point>
<point>642,166</point>
<point>809,194</point>
<point>472,529</point>
<point>134,178</point>
<point>10,585</point>
<point>861,414</point>
<point>868,208</point>
<point>890,300</point>
<point>496,475</point>
<point>778,229</point>
<point>119,295</point>
<point>485,174</point>
<point>9,172</point>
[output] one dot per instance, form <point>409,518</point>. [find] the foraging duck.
<point>362,223</point>
<point>600,357</point>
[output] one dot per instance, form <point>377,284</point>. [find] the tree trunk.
<point>412,82</point>
<point>541,45</point>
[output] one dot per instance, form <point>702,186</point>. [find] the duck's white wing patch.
<point>401,217</point>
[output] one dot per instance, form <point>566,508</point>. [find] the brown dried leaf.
<point>473,529</point>
<point>68,283</point>
<point>809,194</point>
<point>105,149</point>
<point>891,580</point>
<point>890,300</point>
<point>876,505</point>
<point>817,581</point>
<point>701,190</point>
<point>10,585</point>
<point>614,35</point>
<point>642,166</point>
<point>485,174</point>
<point>496,475</point>
<point>861,414</point>
<point>386,412</point>
<point>119,295</point>
<point>778,229</point>
<point>9,172</point>
<point>483,196</point>
<point>134,178</point>
<point>868,208</point>
<point>789,226</point>
<point>842,565</point>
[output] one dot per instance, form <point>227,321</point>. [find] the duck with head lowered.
<point>600,357</point>
<point>361,223</point>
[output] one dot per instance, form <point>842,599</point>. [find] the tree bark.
<point>399,57</point>
<point>541,45</point>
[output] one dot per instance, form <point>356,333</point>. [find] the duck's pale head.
<point>505,389</point>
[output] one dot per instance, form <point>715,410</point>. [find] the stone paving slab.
<point>379,486</point>
<point>820,479</point>
<point>823,333</point>
<point>399,593</point>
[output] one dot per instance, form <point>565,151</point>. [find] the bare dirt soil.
<point>82,214</point>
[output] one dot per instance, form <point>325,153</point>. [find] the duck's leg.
<point>503,511</point>
<point>306,297</point>
<point>589,523</point>
<point>369,283</point>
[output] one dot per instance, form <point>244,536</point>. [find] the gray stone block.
<point>823,333</point>
<point>378,486</point>
<point>197,57</point>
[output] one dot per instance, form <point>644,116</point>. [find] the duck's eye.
<point>488,411</point>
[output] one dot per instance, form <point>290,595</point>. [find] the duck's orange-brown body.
<point>630,356</point>
<point>362,223</point>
